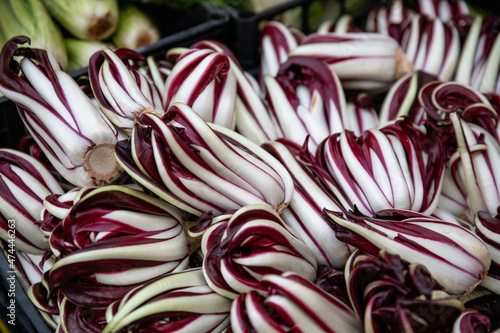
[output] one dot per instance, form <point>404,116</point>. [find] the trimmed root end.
<point>403,64</point>
<point>100,162</point>
<point>281,207</point>
<point>102,27</point>
<point>144,38</point>
<point>193,242</point>
<point>146,110</point>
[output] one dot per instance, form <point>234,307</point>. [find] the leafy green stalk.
<point>85,19</point>
<point>79,51</point>
<point>134,29</point>
<point>30,18</point>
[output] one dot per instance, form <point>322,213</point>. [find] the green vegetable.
<point>189,4</point>
<point>85,19</point>
<point>174,4</point>
<point>79,51</point>
<point>31,19</point>
<point>135,29</point>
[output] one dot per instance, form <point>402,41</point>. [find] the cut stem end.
<point>102,27</point>
<point>100,162</point>
<point>403,64</point>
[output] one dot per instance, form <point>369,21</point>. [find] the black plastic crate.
<point>245,25</point>
<point>27,317</point>
<point>11,125</point>
<point>202,23</point>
